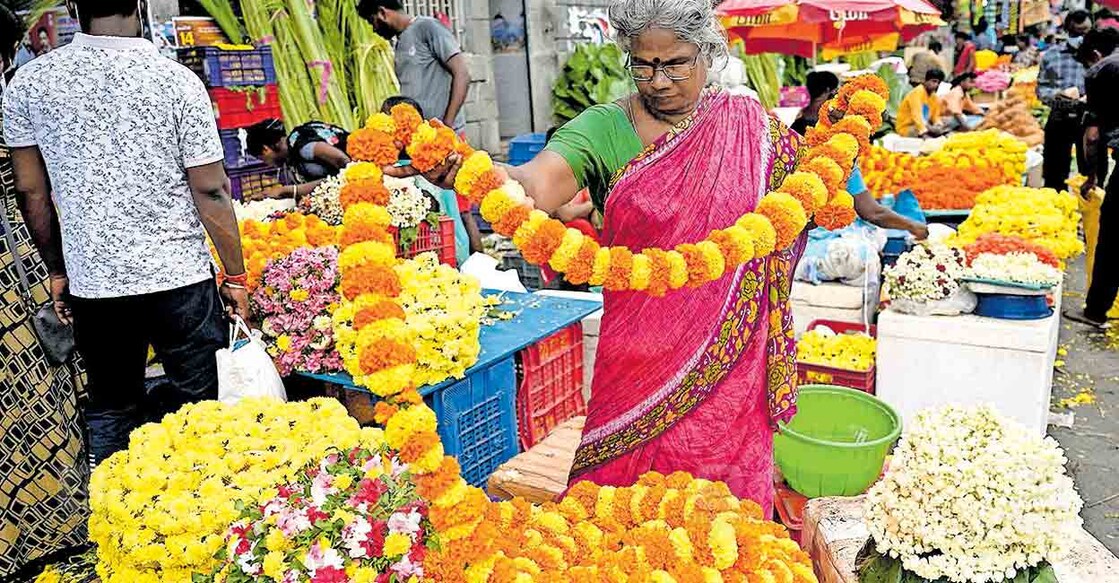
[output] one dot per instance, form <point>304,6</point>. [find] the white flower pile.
<point>1015,268</point>
<point>325,201</point>
<point>972,497</point>
<point>926,273</point>
<point>408,206</point>
<point>261,210</point>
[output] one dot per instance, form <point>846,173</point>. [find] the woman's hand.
<point>442,175</point>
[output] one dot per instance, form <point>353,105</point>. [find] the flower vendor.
<point>919,113</point>
<point>668,164</point>
<point>958,104</point>
<point>1060,85</point>
<point>312,152</point>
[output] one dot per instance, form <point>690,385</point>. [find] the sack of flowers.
<point>970,497</point>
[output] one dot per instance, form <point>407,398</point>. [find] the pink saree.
<point>697,380</point>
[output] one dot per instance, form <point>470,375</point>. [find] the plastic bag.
<point>961,302</point>
<point>245,370</point>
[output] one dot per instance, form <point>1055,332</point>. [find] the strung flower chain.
<point>815,192</point>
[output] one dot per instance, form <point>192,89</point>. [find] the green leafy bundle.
<point>593,74</point>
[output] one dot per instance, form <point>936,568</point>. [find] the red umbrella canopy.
<point>800,27</point>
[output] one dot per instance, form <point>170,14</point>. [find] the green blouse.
<point>596,145</point>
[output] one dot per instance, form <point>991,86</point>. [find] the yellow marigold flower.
<point>408,422</point>
<point>661,577</point>
<point>677,269</point>
<point>430,461</point>
<point>724,545</point>
<point>682,544</point>
<point>529,227</point>
<point>601,267</point>
<point>497,203</point>
<point>299,295</point>
<point>367,214</point>
<point>473,168</point>
<point>453,496</point>
<point>359,171</point>
<point>276,541</point>
<point>274,565</point>
<point>604,506</point>
<point>843,199</point>
<point>641,271</point>
<point>397,544</point>
<point>283,342</point>
<point>363,574</point>
<point>744,242</point>
<point>381,122</point>
<point>716,263</point>
<point>807,188</point>
<point>569,246</point>
<point>366,253</point>
<point>765,237</point>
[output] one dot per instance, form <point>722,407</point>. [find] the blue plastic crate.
<point>478,420</point>
<point>230,68</point>
<point>235,154</point>
<point>525,147</point>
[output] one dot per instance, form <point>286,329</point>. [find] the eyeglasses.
<point>675,72</point>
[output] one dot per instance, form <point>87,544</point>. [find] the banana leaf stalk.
<point>269,23</point>
<point>371,60</point>
<point>333,103</point>
<point>222,11</point>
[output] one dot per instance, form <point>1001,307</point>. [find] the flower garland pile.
<point>972,497</point>
<point>1040,215</point>
<point>823,347</point>
<point>293,302</point>
<point>160,507</point>
<point>926,273</point>
<point>663,529</point>
<point>262,242</point>
<point>1020,268</point>
<point>262,210</point>
<point>815,192</point>
<point>887,172</point>
<point>353,517</point>
<point>444,310</point>
<point>1003,244</point>
<point>409,206</point>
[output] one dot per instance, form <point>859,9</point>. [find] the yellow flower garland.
<point>813,192</point>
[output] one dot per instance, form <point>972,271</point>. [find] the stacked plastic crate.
<point>242,87</point>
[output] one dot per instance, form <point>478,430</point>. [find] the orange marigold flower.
<point>827,170</point>
<point>512,220</point>
<point>431,145</point>
<point>659,272</point>
<point>369,145</point>
<point>370,279</point>
<point>544,242</point>
<point>353,234</point>
<point>418,445</point>
<point>489,181</point>
<point>432,486</point>
<point>384,354</point>
<point>409,397</point>
<point>621,262</point>
<point>857,127</point>
<point>833,217</point>
<point>785,214</point>
<point>382,310</point>
<point>697,265</point>
<point>407,119</point>
<point>872,83</point>
<point>383,411</point>
<point>579,271</point>
<point>369,191</point>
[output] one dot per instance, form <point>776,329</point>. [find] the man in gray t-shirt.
<point>429,61</point>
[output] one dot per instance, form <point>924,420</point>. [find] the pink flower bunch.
<point>351,516</point>
<point>294,302</point>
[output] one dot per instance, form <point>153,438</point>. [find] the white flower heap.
<point>407,204</point>
<point>926,273</point>
<point>972,497</point>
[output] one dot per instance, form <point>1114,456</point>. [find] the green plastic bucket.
<point>837,443</point>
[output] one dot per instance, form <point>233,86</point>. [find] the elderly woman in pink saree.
<point>697,380</point>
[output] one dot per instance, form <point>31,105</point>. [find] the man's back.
<point>117,125</point>
<point>422,51</point>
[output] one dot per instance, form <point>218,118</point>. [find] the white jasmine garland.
<point>325,201</point>
<point>261,210</point>
<point>972,497</point>
<point>407,206</point>
<point>926,273</point>
<point>1015,268</point>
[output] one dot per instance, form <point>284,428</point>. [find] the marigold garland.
<point>784,212</point>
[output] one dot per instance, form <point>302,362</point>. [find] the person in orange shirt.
<point>958,104</point>
<point>919,113</point>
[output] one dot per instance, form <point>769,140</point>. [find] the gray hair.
<point>693,21</point>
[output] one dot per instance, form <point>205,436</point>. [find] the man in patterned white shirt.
<point>119,171</point>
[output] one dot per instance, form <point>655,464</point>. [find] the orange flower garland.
<point>785,212</point>
<point>263,242</point>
